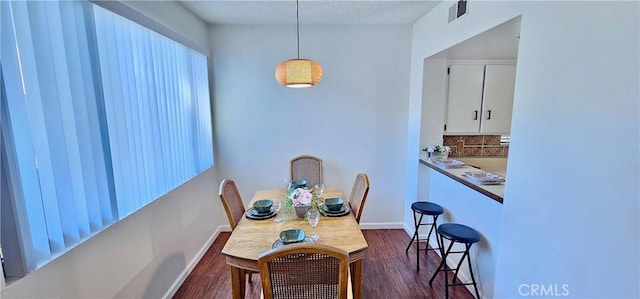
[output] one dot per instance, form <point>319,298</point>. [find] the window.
<point>100,116</point>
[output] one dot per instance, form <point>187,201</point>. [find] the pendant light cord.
<point>298,27</point>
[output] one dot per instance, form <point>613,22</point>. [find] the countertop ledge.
<point>495,192</point>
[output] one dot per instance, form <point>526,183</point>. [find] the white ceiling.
<point>500,42</point>
<point>340,12</point>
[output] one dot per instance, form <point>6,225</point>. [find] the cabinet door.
<point>465,98</point>
<point>497,105</point>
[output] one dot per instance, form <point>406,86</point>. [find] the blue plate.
<point>278,243</point>
<point>344,211</point>
<point>253,214</point>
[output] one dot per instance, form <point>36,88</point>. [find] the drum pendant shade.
<point>298,73</point>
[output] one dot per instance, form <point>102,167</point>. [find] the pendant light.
<point>298,73</point>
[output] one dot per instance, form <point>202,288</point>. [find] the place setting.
<point>297,235</point>
<point>292,236</point>
<point>262,209</point>
<point>334,207</point>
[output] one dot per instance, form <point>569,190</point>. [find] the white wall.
<point>467,206</point>
<point>570,216</point>
<point>145,253</point>
<point>434,94</point>
<point>355,119</point>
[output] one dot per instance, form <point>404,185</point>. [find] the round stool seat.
<point>427,208</point>
<point>459,233</point>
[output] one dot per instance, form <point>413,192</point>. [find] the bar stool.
<point>461,234</point>
<point>424,208</point>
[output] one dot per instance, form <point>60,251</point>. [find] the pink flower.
<point>301,197</point>
<point>305,197</point>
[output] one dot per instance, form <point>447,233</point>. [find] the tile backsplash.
<point>476,146</point>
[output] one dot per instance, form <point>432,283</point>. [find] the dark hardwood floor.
<point>387,272</point>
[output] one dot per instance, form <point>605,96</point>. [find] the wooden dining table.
<point>251,237</point>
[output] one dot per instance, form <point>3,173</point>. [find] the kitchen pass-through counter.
<point>493,165</point>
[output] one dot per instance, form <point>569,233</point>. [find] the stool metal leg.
<point>443,262</point>
<point>433,228</point>
<point>464,254</point>
<point>473,279</point>
<point>475,287</point>
<point>415,233</point>
<point>418,244</point>
<point>416,236</point>
<point>445,268</point>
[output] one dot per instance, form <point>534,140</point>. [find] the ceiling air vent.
<point>457,10</point>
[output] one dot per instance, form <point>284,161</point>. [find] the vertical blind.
<point>100,117</point>
<point>159,105</point>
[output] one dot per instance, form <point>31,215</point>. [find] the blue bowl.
<point>263,206</point>
<point>334,204</point>
<point>298,184</point>
<point>292,236</point>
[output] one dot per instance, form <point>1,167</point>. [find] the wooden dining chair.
<point>358,195</point>
<point>307,167</point>
<point>231,201</point>
<point>233,206</point>
<point>305,271</point>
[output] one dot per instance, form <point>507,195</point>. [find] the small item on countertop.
<point>449,163</point>
<point>484,178</point>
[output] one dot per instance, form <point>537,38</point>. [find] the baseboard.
<point>382,225</point>
<point>185,273</point>
<point>225,228</point>
<point>407,229</point>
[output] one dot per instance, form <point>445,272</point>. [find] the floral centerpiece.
<point>301,200</point>
<point>437,152</point>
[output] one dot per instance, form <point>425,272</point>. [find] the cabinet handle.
<point>475,116</point>
<point>489,114</point>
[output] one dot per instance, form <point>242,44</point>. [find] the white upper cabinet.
<point>480,99</point>
<point>497,104</point>
<point>465,98</point>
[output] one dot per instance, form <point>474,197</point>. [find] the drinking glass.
<point>313,216</point>
<point>319,188</point>
<point>287,183</point>
<point>277,206</point>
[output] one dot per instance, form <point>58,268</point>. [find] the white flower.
<point>437,149</point>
